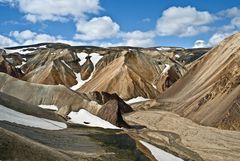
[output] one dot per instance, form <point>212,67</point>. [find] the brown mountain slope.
<point>131,74</point>
<point>54,73</point>
<point>8,68</point>
<point>210,92</point>
<point>44,56</point>
<point>65,99</point>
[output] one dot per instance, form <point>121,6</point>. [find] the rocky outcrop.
<point>103,97</point>
<point>8,68</point>
<point>14,58</point>
<point>111,111</point>
<point>209,93</point>
<point>86,69</point>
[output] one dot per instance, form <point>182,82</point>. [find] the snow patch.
<point>166,69</point>
<point>137,99</point>
<point>160,154</point>
<point>163,48</point>
<point>80,81</point>
<point>177,56</point>
<point>95,57</point>
<point>19,66</point>
<point>22,51</point>
<point>49,107</point>
<point>10,115</point>
<point>82,57</point>
<point>84,117</point>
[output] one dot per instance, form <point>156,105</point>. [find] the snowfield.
<point>84,117</point>
<point>137,99</point>
<point>160,154</point>
<point>10,115</point>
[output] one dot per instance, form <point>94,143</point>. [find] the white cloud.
<point>183,21</point>
<point>28,37</point>
<point>97,28</point>
<point>218,37</point>
<point>200,44</point>
<point>236,21</point>
<point>10,2</point>
<point>138,38</point>
<point>214,40</point>
<point>231,12</point>
<point>22,36</point>
<point>55,10</point>
<point>6,42</point>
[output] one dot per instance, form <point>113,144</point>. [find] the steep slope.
<point>26,108</point>
<point>65,99</point>
<point>130,74</point>
<point>8,68</point>
<point>87,68</point>
<point>210,92</point>
<point>54,73</point>
<point>44,56</point>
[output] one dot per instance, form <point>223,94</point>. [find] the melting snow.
<point>19,66</point>
<point>20,51</point>
<point>163,48</point>
<point>10,115</point>
<point>84,117</point>
<point>137,99</point>
<point>95,58</point>
<point>49,107</point>
<point>80,81</point>
<point>177,56</point>
<point>82,57</point>
<point>160,154</point>
<point>166,69</point>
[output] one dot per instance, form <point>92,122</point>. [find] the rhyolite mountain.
<point>184,101</point>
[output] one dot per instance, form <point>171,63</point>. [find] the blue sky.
<point>185,23</point>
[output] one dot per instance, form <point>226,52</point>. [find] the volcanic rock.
<point>65,99</point>
<point>87,68</point>
<point>6,67</point>
<point>53,73</point>
<point>129,74</point>
<point>209,93</point>
<point>103,97</point>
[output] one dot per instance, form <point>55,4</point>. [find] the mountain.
<point>65,99</point>
<point>131,74</point>
<point>54,73</point>
<point>7,67</point>
<point>209,92</point>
